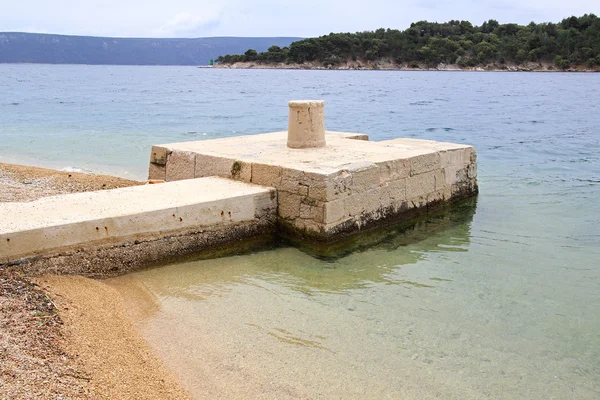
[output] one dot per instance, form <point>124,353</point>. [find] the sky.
<point>300,18</point>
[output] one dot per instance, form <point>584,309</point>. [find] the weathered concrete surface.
<point>180,214</point>
<point>328,192</point>
<point>110,259</point>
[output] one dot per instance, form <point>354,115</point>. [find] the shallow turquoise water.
<point>498,299</point>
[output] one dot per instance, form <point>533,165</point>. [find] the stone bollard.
<point>306,124</point>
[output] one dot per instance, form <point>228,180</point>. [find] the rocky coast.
<point>389,65</point>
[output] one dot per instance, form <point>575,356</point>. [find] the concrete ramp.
<point>187,210</point>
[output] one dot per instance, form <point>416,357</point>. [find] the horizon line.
<point>153,38</point>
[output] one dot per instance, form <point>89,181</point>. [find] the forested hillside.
<point>573,41</point>
<point>60,49</point>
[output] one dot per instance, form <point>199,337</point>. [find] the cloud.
<point>190,25</point>
<point>194,18</point>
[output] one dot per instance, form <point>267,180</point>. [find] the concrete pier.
<point>163,220</point>
<point>328,192</point>
<point>305,182</point>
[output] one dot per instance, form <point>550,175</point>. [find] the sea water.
<point>496,298</point>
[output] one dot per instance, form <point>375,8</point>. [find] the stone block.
<point>417,202</point>
<point>266,206</point>
<point>424,163</point>
<point>289,205</point>
<point>241,171</point>
<point>393,170</point>
<point>397,189</point>
<point>307,225</point>
<point>365,177</point>
<point>341,185</point>
<point>298,188</point>
<point>462,175</point>
<point>386,198</point>
<point>470,155</point>
<point>452,158</point>
<point>435,197</point>
<point>305,211</point>
<point>321,191</point>
<point>355,204</point>
<point>420,185</point>
<point>472,171</point>
<point>158,155</point>
<point>266,175</point>
<point>440,179</point>
<point>156,171</point>
<point>451,174</point>
<point>294,181</point>
<point>334,211</point>
<point>208,165</point>
<point>329,187</point>
<point>464,187</point>
<point>447,193</point>
<point>180,165</point>
<point>364,202</point>
<point>317,213</point>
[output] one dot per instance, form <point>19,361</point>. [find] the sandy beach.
<point>70,336</point>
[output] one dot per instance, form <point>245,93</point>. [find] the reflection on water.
<point>400,234</point>
<point>420,313</point>
<point>374,258</point>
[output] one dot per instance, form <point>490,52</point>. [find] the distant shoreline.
<point>343,67</point>
<point>34,48</point>
<point>389,66</point>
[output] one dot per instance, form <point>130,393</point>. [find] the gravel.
<point>52,352</point>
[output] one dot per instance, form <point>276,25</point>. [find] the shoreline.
<point>25,160</point>
<point>71,336</point>
<point>386,65</point>
<point>26,183</point>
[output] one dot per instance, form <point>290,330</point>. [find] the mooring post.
<point>306,124</point>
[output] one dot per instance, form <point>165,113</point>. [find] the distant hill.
<point>571,44</point>
<point>16,47</point>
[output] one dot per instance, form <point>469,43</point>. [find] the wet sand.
<point>99,333</point>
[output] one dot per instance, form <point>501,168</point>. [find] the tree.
<point>562,63</point>
<point>250,55</point>
<point>575,39</point>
